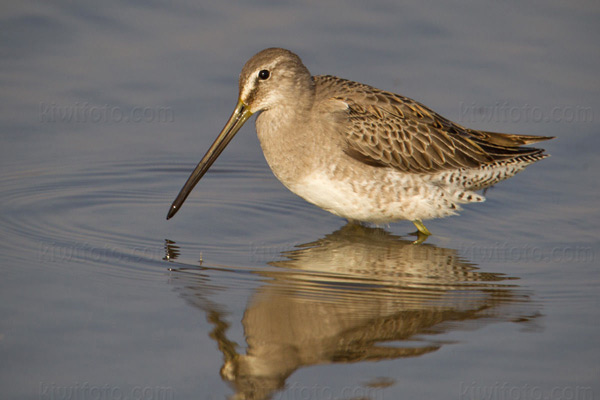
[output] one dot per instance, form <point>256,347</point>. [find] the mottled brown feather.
<point>388,130</point>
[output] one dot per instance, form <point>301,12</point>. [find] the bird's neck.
<point>285,137</point>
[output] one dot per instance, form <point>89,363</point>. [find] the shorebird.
<point>362,153</point>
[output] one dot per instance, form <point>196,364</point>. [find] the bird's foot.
<point>422,232</point>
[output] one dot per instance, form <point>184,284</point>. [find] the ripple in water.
<point>113,214</point>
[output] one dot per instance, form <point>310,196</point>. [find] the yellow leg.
<point>422,232</point>
<point>419,224</point>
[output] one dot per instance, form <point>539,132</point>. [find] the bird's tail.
<point>509,140</point>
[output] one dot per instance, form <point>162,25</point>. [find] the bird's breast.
<point>292,146</point>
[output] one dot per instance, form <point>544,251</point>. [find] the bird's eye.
<point>264,74</point>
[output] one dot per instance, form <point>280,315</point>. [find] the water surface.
<point>250,292</point>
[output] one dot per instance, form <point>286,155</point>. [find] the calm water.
<point>249,292</point>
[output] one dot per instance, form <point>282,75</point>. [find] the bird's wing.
<point>388,130</point>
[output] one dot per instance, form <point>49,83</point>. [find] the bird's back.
<point>387,130</point>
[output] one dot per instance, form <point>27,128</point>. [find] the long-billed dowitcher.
<point>363,153</point>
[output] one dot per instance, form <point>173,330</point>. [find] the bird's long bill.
<point>238,118</point>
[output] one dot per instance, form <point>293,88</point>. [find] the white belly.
<point>391,199</point>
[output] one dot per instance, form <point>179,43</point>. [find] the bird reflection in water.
<point>357,294</point>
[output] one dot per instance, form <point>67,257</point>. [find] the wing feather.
<point>389,130</point>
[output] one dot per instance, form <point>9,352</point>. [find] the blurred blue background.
<point>105,108</point>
